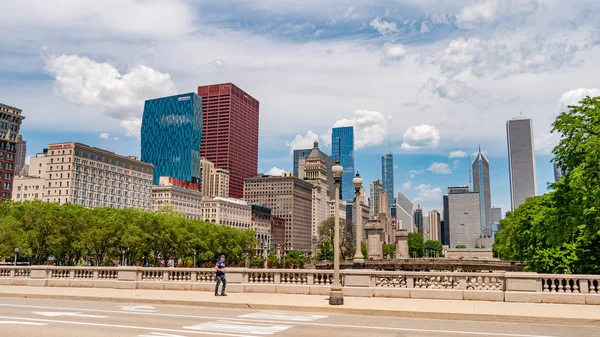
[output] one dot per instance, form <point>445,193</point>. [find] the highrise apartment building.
<point>464,217</point>
<point>521,160</point>
<point>405,212</point>
<point>214,181</point>
<point>376,188</point>
<point>342,149</point>
<point>87,176</point>
<point>387,175</point>
<point>481,185</point>
<point>177,195</point>
<point>289,198</point>
<point>230,132</point>
<point>171,135</point>
<point>10,124</point>
<point>419,224</point>
<point>435,228</point>
<point>20,155</point>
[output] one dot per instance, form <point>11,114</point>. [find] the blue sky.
<point>418,78</point>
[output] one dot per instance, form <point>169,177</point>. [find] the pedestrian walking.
<point>220,268</point>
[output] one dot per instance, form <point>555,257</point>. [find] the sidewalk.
<point>564,314</point>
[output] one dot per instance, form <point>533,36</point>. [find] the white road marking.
<point>347,326</point>
<point>240,327</point>
<point>73,314</point>
<point>283,316</point>
<point>21,323</point>
<point>139,308</point>
<point>159,334</point>
<point>117,326</point>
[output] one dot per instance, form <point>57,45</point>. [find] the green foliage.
<point>326,235</point>
<point>364,250</point>
<point>71,232</point>
<point>416,246</point>
<point>389,251</point>
<point>434,248</point>
<point>460,246</point>
<point>559,232</point>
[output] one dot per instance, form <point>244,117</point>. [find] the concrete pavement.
<point>54,318</point>
<point>412,308</point>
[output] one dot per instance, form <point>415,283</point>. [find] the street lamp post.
<point>194,260</point>
<point>16,252</point>
<point>336,297</point>
<point>358,260</point>
<point>123,257</point>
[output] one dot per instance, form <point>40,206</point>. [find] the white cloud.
<point>454,90</point>
<point>104,135</point>
<point>370,128</point>
<point>455,164</point>
<point>275,171</point>
<point>457,154</point>
<point>132,127</point>
<point>439,168</point>
<point>425,27</point>
<point>392,54</point>
<point>479,12</point>
<point>82,81</point>
<point>303,142</point>
<point>384,27</point>
<point>115,138</point>
<point>421,136</point>
<point>413,173</point>
<point>573,97</point>
<point>545,142</point>
<point>428,194</point>
<point>407,185</point>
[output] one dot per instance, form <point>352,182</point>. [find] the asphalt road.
<point>54,318</point>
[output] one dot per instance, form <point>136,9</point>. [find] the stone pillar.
<point>374,232</point>
<point>402,244</point>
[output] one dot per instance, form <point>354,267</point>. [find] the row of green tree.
<point>559,232</point>
<point>69,233</point>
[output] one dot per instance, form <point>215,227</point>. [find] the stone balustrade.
<point>492,286</point>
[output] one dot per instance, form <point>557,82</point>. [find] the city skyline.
<point>434,73</point>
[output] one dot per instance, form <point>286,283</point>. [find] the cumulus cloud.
<point>482,12</point>
<point>572,97</point>
<point>276,171</point>
<point>303,141</point>
<point>421,136</point>
<point>392,54</point>
<point>83,81</point>
<point>413,173</point>
<point>425,27</point>
<point>428,194</point>
<point>370,128</point>
<point>456,164</point>
<point>217,64</point>
<point>451,89</point>
<point>545,142</point>
<point>104,135</point>
<point>132,127</point>
<point>457,154</point>
<point>407,185</point>
<point>439,168</point>
<point>384,27</point>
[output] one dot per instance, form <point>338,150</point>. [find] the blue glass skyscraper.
<point>387,175</point>
<point>342,149</point>
<point>171,136</point>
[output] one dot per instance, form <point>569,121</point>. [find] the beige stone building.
<point>215,181</point>
<point>182,199</point>
<point>230,212</point>
<point>289,198</point>
<point>261,225</point>
<point>435,224</point>
<point>87,176</point>
<point>315,172</point>
<point>28,188</point>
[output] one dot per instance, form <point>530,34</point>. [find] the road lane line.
<point>73,314</point>
<point>21,323</point>
<point>240,327</point>
<point>296,323</point>
<point>283,316</point>
<point>117,326</point>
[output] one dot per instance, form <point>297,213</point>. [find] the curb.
<point>331,310</point>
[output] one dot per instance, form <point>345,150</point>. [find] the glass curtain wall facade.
<point>171,136</point>
<point>387,174</point>
<point>342,149</point>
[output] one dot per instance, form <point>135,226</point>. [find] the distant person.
<point>220,268</point>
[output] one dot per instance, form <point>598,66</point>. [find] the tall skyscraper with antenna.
<point>481,184</point>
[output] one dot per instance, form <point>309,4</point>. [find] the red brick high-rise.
<point>230,132</point>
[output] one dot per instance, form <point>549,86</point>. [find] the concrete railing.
<point>496,286</point>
